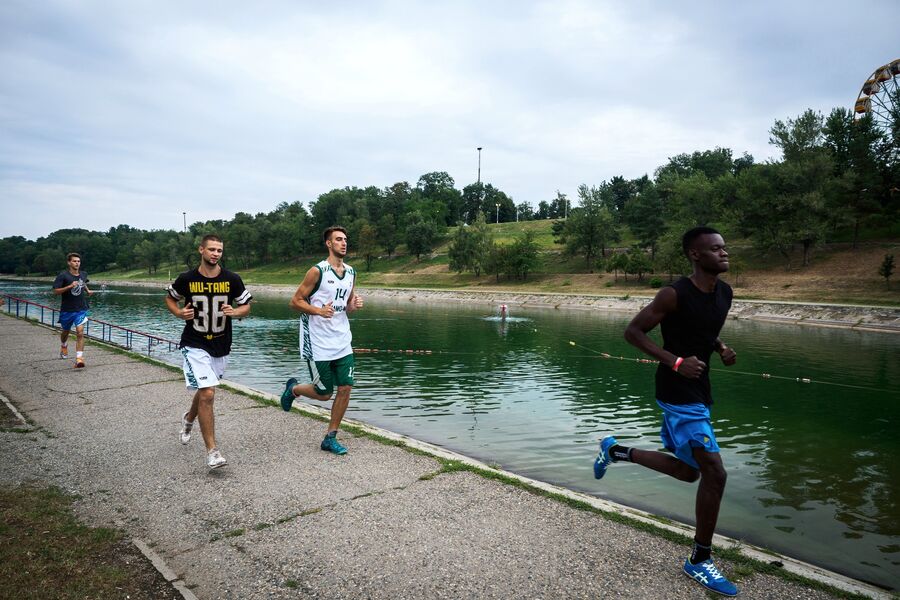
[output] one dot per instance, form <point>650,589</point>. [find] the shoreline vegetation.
<point>859,317</point>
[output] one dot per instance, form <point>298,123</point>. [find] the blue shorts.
<point>69,319</point>
<point>685,427</point>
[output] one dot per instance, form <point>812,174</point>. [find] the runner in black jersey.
<point>212,297</point>
<point>691,313</point>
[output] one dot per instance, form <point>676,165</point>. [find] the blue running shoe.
<point>707,575</point>
<point>330,444</point>
<point>287,396</point>
<point>603,458</point>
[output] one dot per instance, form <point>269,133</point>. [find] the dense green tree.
<point>388,234</point>
<point>711,163</point>
<point>887,269</point>
<point>590,228</point>
<point>798,137</point>
<point>367,243</point>
<point>523,256</point>
<point>782,204</point>
<point>524,212</point>
<point>638,263</point>
<point>694,201</point>
<point>670,257</point>
<point>859,191</point>
<point>469,247</point>
<point>644,216</point>
<point>422,234</point>
<point>543,210</point>
<point>148,255</point>
<point>438,188</point>
<point>617,262</point>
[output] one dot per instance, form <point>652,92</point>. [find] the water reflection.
<point>813,468</point>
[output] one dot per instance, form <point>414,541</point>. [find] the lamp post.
<point>498,212</point>
<point>479,164</point>
<point>184,220</point>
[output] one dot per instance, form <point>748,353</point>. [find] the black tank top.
<point>692,330</point>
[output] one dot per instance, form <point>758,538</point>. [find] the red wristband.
<point>677,364</point>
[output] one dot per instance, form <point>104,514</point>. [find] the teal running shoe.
<point>287,396</point>
<point>330,444</point>
<point>707,575</point>
<point>603,459</point>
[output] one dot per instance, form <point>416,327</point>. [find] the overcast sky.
<point>134,112</point>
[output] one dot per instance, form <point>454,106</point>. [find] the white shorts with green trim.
<point>202,370</point>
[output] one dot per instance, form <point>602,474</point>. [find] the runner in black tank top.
<point>691,313</point>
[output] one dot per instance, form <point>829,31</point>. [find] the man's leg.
<point>339,407</point>
<point>202,409</point>
<point>79,338</point>
<point>709,494</point>
<point>309,390</point>
<point>63,346</point>
<point>663,463</point>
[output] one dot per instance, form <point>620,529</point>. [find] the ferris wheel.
<point>880,96</point>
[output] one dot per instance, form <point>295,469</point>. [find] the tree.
<point>387,234</point>
<point>644,217</point>
<point>421,235</point>
<point>524,212</point>
<point>798,137</point>
<point>469,248</point>
<point>670,257</point>
<point>859,189</point>
<point>543,211</point>
<point>712,163</point>
<point>149,255</point>
<point>589,229</point>
<point>438,187</point>
<point>367,243</point>
<point>497,260</point>
<point>782,204</point>
<point>523,255</point>
<point>887,269</point>
<point>638,263</point>
<point>617,262</point>
<point>694,201</point>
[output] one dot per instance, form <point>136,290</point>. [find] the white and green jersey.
<point>328,339</point>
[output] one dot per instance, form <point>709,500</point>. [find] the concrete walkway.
<point>286,520</point>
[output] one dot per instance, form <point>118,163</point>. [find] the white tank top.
<point>328,339</point>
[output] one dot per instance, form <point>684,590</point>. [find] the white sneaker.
<point>186,427</point>
<point>214,459</point>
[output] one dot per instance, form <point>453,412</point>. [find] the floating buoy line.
<point>734,372</point>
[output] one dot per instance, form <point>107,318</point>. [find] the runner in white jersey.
<point>325,297</point>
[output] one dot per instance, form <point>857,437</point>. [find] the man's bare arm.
<point>665,302</point>
<point>299,302</point>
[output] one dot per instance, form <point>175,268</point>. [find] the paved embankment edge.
<point>858,317</point>
<point>157,561</point>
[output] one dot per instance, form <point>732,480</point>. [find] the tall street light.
<point>498,212</point>
<point>184,219</point>
<point>479,164</point>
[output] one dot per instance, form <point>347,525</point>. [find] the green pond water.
<point>814,468</point>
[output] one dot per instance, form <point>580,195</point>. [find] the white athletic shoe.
<point>214,459</point>
<point>186,427</point>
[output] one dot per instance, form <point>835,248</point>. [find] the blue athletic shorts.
<point>76,318</point>
<point>685,427</point>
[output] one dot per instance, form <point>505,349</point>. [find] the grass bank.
<point>46,553</point>
<point>838,272</point>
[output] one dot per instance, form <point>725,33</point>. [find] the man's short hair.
<point>326,235</point>
<point>687,240</point>
<point>72,255</point>
<point>210,237</point>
